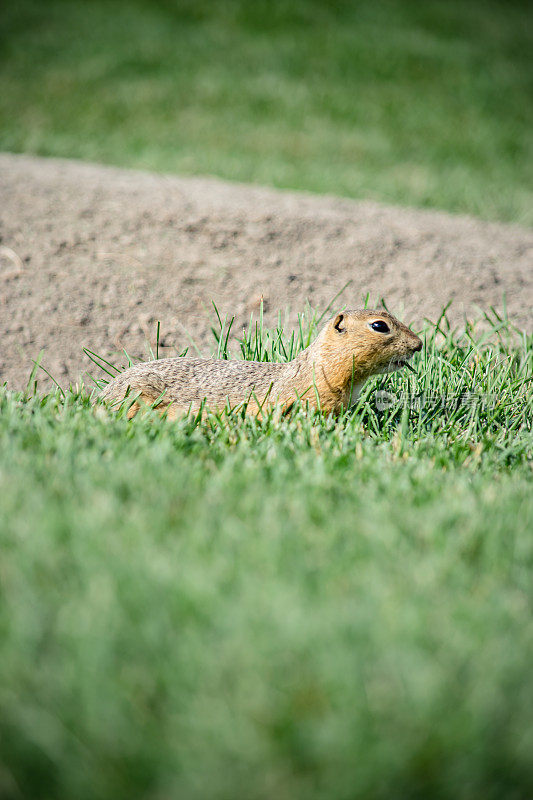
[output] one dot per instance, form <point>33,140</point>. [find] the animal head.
<point>368,342</point>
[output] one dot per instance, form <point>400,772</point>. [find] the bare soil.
<point>93,256</point>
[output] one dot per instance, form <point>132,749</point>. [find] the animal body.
<point>328,374</point>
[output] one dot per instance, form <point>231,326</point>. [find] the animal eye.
<point>380,326</point>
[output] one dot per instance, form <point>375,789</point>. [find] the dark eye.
<point>380,326</point>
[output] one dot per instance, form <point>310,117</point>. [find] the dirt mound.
<point>93,256</point>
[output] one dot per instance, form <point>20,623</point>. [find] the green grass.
<point>306,608</point>
<point>423,103</point>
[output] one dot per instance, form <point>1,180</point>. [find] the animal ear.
<point>338,323</point>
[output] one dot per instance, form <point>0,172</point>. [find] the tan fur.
<point>329,373</point>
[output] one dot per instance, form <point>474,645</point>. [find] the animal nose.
<point>418,347</point>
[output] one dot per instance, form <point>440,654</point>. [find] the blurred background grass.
<point>421,103</point>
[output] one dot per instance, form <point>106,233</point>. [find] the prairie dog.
<point>328,374</point>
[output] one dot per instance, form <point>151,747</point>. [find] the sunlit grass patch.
<point>308,607</point>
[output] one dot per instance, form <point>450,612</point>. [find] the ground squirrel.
<point>328,374</point>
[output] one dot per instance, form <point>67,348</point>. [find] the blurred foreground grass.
<point>310,608</point>
<point>407,102</point>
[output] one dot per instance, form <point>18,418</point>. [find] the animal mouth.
<point>399,364</point>
<point>405,363</point>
